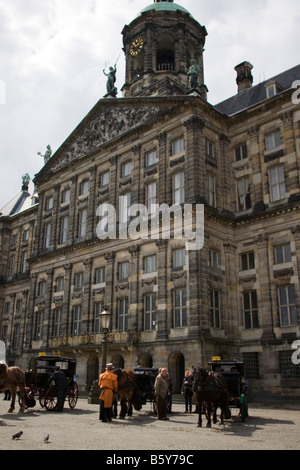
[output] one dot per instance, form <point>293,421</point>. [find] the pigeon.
<point>46,438</point>
<point>17,435</point>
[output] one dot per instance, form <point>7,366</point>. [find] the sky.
<point>53,53</point>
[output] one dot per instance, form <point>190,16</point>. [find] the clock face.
<point>136,46</point>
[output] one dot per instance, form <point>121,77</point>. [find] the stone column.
<point>257,193</point>
<point>162,296</point>
<point>109,287</point>
<point>86,314</point>
<point>195,173</point>
<point>67,299</point>
<point>264,295</point>
<point>134,292</point>
<point>48,303</point>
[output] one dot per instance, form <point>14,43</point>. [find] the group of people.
<point>108,384</point>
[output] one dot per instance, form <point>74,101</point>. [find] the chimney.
<point>244,78</point>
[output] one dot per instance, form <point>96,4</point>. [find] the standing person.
<point>108,384</point>
<point>161,388</point>
<point>170,395</point>
<point>61,383</point>
<point>187,391</point>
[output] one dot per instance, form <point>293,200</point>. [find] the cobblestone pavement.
<point>267,428</point>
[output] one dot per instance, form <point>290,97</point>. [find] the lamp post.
<point>105,318</point>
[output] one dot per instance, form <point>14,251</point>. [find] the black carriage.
<point>38,387</point>
<point>145,379</point>
<point>233,372</point>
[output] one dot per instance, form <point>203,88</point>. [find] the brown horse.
<point>13,379</point>
<point>211,391</point>
<point>127,392</point>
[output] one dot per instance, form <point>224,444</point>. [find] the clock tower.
<point>163,48</point>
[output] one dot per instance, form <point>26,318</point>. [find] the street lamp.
<point>105,318</point>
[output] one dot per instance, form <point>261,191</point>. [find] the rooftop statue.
<point>193,74</point>
<point>25,180</point>
<point>111,80</point>
<point>47,155</point>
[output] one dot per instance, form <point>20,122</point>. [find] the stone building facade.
<point>164,143</point>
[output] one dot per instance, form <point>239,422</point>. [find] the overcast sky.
<point>53,53</point>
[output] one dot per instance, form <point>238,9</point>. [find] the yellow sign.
<point>42,354</point>
<point>216,358</point>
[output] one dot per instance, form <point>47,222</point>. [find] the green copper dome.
<point>164,6</point>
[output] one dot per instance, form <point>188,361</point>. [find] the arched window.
<point>165,53</point>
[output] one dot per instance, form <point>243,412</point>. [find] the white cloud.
<point>53,53</point>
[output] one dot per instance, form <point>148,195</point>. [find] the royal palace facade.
<point>236,296</point>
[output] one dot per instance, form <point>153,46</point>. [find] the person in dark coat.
<point>61,383</point>
<point>187,391</point>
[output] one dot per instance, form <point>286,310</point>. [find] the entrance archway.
<point>176,366</point>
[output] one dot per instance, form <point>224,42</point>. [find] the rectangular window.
<point>151,158</point>
<point>150,264</point>
<point>212,200</point>
<point>126,169</point>
<point>215,308</point>
<point>250,310</point>
<point>178,188</point>
<point>283,254</point>
<point>124,202</point>
<point>47,236</point>
<point>64,228</point>
<point>39,326</point>
<point>11,265</point>
<point>151,197</point>
<point>149,312</point>
<point>179,258</point>
<point>178,146</point>
<point>104,179</point>
<point>60,284</point>
<point>240,152</point>
<point>243,194</point>
<point>49,203</point>
<point>214,261</point>
<point>77,319</point>
<point>78,280</point>
<point>98,309</point>
<point>210,149</point>
<point>287,305</point>
<point>277,183</point>
<point>247,261</point>
<point>179,308</point>
<point>17,338</point>
<point>42,288</point>
<point>123,270</point>
<point>65,195</point>
<point>83,187</point>
<point>123,315</point>
<point>99,276</point>
<point>23,266</point>
<point>57,322</point>
<point>82,223</point>
<point>272,140</point>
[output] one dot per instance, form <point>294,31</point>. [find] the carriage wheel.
<point>73,396</point>
<point>42,393</point>
<point>51,399</point>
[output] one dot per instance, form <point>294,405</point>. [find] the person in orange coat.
<point>108,384</point>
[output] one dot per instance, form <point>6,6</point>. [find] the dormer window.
<point>272,89</point>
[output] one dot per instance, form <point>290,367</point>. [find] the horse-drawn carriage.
<point>145,380</point>
<point>233,372</point>
<point>222,387</point>
<point>38,387</point>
